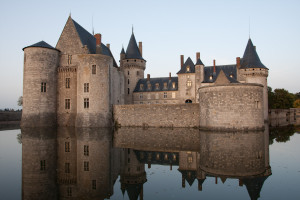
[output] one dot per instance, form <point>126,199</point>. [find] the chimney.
<point>148,77</point>
<point>108,46</point>
<point>181,60</point>
<point>238,62</point>
<point>170,166</point>
<point>149,164</point>
<point>183,181</point>
<point>197,56</point>
<point>214,66</point>
<point>141,48</point>
<point>169,76</point>
<point>240,183</point>
<point>98,39</point>
<point>216,180</point>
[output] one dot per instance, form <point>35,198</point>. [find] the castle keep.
<point>78,83</point>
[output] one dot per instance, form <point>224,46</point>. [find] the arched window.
<point>188,101</point>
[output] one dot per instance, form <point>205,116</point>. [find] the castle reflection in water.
<point>84,163</point>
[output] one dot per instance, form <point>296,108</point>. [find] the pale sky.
<point>218,29</point>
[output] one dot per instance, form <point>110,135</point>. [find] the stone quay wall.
<point>284,117</point>
<point>10,116</point>
<point>157,115</point>
<point>231,107</point>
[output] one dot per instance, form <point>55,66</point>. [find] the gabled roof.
<point>41,44</point>
<point>153,82</point>
<point>86,38</point>
<point>187,63</point>
<point>133,51</point>
<point>250,58</point>
<point>199,62</point>
<point>227,69</point>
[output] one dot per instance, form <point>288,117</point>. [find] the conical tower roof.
<point>250,58</point>
<point>122,51</point>
<point>133,51</point>
<point>199,62</point>
<point>41,44</point>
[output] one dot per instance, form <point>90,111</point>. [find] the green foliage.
<point>20,101</point>
<point>297,103</point>
<point>280,99</point>
<point>281,134</point>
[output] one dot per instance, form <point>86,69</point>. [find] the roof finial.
<point>249,27</point>
<point>93,24</point>
<point>132,28</point>
<point>70,13</point>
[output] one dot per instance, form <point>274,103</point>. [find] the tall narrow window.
<point>86,87</point>
<point>68,82</point>
<point>128,90</point>
<point>165,95</point>
<point>137,73</point>
<point>67,103</point>
<point>156,86</point>
<point>94,184</point>
<point>173,85</point>
<point>69,59</point>
<point>128,81</point>
<point>86,166</point>
<point>69,192</point>
<point>67,168</point>
<point>86,103</point>
<point>86,150</point>
<point>43,165</point>
<point>141,96</point>
<point>67,146</point>
<point>93,69</point>
<point>43,87</point>
<point>128,72</point>
<point>141,86</point>
<point>173,95</point>
<point>165,85</point>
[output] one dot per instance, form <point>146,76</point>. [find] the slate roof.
<point>122,51</point>
<point>41,44</point>
<point>86,38</point>
<point>189,178</point>
<point>199,62</point>
<point>160,81</point>
<point>254,186</point>
<point>133,51</point>
<point>227,69</point>
<point>190,63</point>
<point>106,51</point>
<point>250,58</point>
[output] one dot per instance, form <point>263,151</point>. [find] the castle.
<point>78,83</point>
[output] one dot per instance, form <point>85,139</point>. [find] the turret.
<point>39,85</point>
<point>253,71</point>
<point>199,73</point>
<point>133,66</point>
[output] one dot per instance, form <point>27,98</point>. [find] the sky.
<point>218,29</point>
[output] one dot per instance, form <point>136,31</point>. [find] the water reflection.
<point>84,163</point>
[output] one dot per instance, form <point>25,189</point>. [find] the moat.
<point>153,163</point>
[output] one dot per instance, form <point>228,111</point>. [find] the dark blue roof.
<point>86,38</point>
<point>254,186</point>
<point>106,51</point>
<point>41,44</point>
<point>187,63</point>
<point>250,58</point>
<point>199,62</point>
<point>227,69</point>
<point>133,51</point>
<point>122,51</point>
<point>153,81</point>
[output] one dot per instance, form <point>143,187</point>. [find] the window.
<point>148,96</point>
<point>141,96</point>
<point>190,159</point>
<point>128,90</point>
<point>86,87</point>
<point>69,192</point>
<point>165,95</point>
<point>69,59</point>
<point>156,96</point>
<point>93,69</point>
<point>86,166</point>
<point>128,160</point>
<point>210,77</point>
<point>189,83</point>
<point>149,86</point>
<point>94,184</point>
<point>86,150</point>
<point>141,102</point>
<point>174,157</point>
<point>156,86</point>
<point>67,168</point>
<point>137,73</point>
<point>43,87</point>
<point>173,85</point>
<point>67,146</point>
<point>86,103</point>
<point>43,165</point>
<point>128,81</point>
<point>173,95</point>
<point>165,85</point>
<point>68,82</point>
<point>128,71</point>
<point>67,103</point>
<point>141,86</point>
<point>188,69</point>
<point>231,75</point>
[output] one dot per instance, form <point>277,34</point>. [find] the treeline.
<point>282,99</point>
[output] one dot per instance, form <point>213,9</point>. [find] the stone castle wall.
<point>284,117</point>
<point>234,106</point>
<point>157,115</point>
<point>40,66</point>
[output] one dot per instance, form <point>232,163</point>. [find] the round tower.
<point>133,66</point>
<point>254,71</point>
<point>39,85</point>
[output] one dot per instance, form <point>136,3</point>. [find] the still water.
<point>86,163</point>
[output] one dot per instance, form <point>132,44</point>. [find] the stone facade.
<point>157,115</point>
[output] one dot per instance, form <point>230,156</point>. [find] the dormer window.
<point>149,86</point>
<point>156,86</point>
<point>188,69</point>
<point>173,85</point>
<point>141,86</point>
<point>231,75</point>
<point>165,85</point>
<point>210,77</point>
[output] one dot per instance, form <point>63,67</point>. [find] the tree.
<point>20,101</point>
<point>270,98</point>
<point>297,103</point>
<point>283,99</point>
